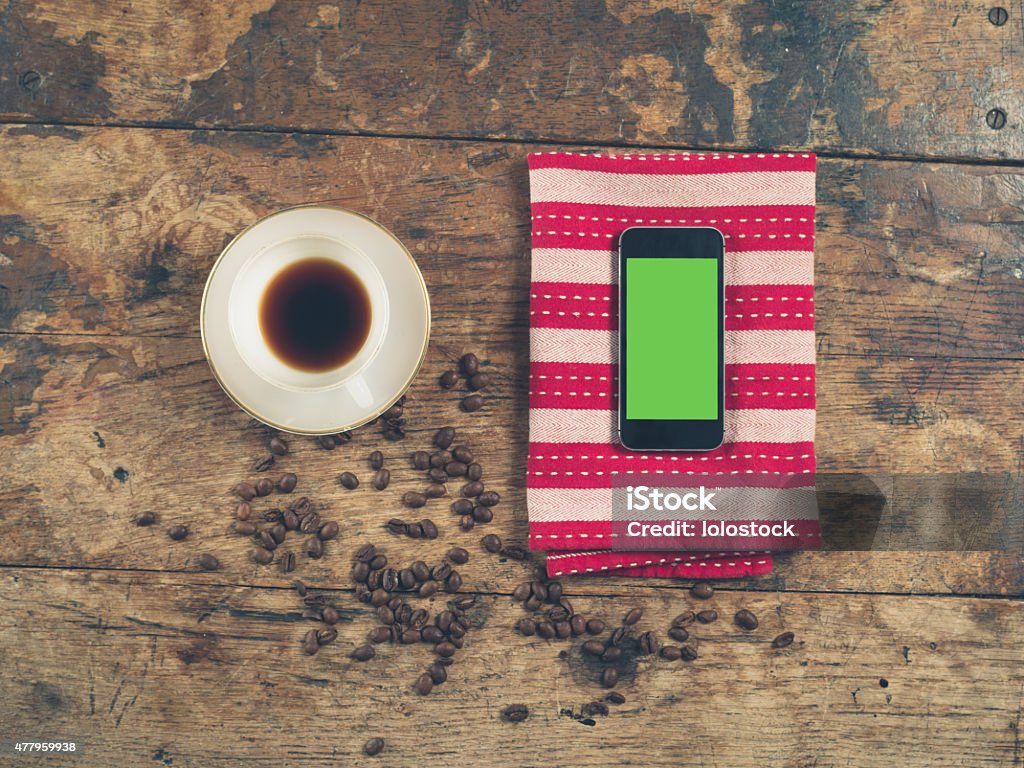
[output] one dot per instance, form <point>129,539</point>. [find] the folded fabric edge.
<point>658,565</point>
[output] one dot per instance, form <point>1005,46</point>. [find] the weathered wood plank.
<point>89,411</point>
<point>135,666</point>
<point>900,78</point>
<point>913,260</point>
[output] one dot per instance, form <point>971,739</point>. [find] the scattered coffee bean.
<point>439,458</point>
<point>410,637</point>
<point>689,653</point>
<point>380,635</point>
<point>378,562</point>
<point>546,629</point>
<point>424,684</point>
<point>328,530</point>
<point>262,555</point>
<point>300,506</point>
<point>177,532</point>
<point>610,677</point>
<point>376,460</point>
<point>208,562</point>
<point>438,673</point>
<point>246,491</point>
<point>477,382</point>
<point>420,570</point>
<point>381,479</point>
<point>264,486</point>
<point>526,627</point>
<point>554,592</point>
<point>277,446</point>
<point>470,364</point>
<point>612,653</point>
<point>532,603</point>
<point>263,463</point>
<point>428,588</point>
<point>364,653</point>
<point>615,698</point>
<point>348,480</point>
<point>463,454</point>
<point>474,471</point>
<point>648,643</point>
<point>515,713</point>
<point>595,627</point>
<point>243,511</point>
<point>472,403</point>
<point>287,482</point>
<point>521,592</point>
<point>448,379</point>
<point>300,588</point>
<point>683,619</point>
<point>472,489</point>
<point>706,617</point>
<point>397,526</point>
<point>331,615</point>
<point>513,551</point>
<point>483,514</point>
<point>421,460</point>
<point>327,442</point>
<point>489,498</point>
<point>444,438</point>
<point>633,617</point>
<point>326,636</point>
<point>466,522</point>
<point>429,529</point>
<point>453,583</point>
<point>455,469</point>
<point>436,491</point>
<point>458,555</point>
<point>359,572</point>
<point>745,620</point>
<point>491,543</point>
<point>679,634</point>
<point>365,553</point>
<point>244,528</point>
<point>578,624</point>
<point>462,506</point>
<point>617,636</point>
<point>414,499</point>
<point>266,540</point>
<point>314,548</point>
<point>309,643</point>
<point>702,590</point>
<point>278,532</point>
<point>594,647</point>
<point>272,515</point>
<point>597,708</point>
<point>437,475</point>
<point>671,653</point>
<point>145,519</point>
<point>783,640</point>
<point>373,746</point>
<point>445,649</point>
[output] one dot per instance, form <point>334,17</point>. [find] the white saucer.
<point>299,401</point>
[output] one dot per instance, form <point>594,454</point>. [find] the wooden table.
<point>138,138</point>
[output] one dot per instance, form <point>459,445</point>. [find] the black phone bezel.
<point>671,434</point>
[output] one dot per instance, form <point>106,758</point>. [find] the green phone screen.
<point>672,364</point>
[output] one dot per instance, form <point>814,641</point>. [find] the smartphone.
<point>671,338</point>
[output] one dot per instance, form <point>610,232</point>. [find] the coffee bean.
<point>612,653</point>
<point>526,627</point>
<point>373,581</point>
<point>648,643</point>
<point>243,511</point>
<point>458,555</point>
<point>470,364</point>
<point>463,603</point>
<point>702,590</point>
<point>277,446</point>
<point>329,530</point>
<point>309,643</point>
<point>414,499</point>
<point>546,629</point>
<point>617,636</point>
<point>385,615</point>
<point>595,627</point>
<point>558,613</point>
<point>364,653</point>
<point>428,528</point>
<point>482,514</point>
<point>418,618</point>
<point>380,635</point>
<point>331,615</point>
<point>437,475</point>
<point>515,713</point>
<point>314,548</point>
<point>615,698</point>
<point>326,636</point>
<point>177,532</point>
<point>266,540</point>
<point>360,571</point>
<point>472,489</point>
<point>610,677</point>
<point>554,592</point>
<point>689,652</point>
<point>439,458</point>
<point>327,442</point>
<point>410,637</point>
<point>376,460</point>
<point>453,583</point>
<point>706,617</point>
<point>671,653</point>
<point>397,526</point>
<point>244,528</point>
<point>420,570</point>
<point>491,543</point>
<point>362,593</point>
<point>593,647</point>
<point>462,454</point>
<point>489,498</point>
<point>428,588</point>
<point>578,624</point>
<point>441,571</point>
<point>455,469</point>
<point>633,617</point>
<point>365,553</point>
<point>444,438</point>
<point>263,463</point>
<point>472,403</point>
<point>287,482</point>
<point>394,433</point>
<point>424,684</point>
<point>746,620</point>
<point>389,581</point>
<point>462,506</point>
<point>208,562</point>
<point>379,596</point>
<point>783,640</point>
<point>679,634</point>
<point>373,746</point>
<point>272,515</point>
<point>278,532</point>
<point>683,619</point>
<point>264,486</point>
<point>436,491</point>
<point>300,506</point>
<point>378,562</point>
<point>262,555</point>
<point>448,379</point>
<point>597,708</point>
<point>348,480</point>
<point>246,491</point>
<point>438,673</point>
<point>474,471</point>
<point>466,522</point>
<point>394,413</point>
<point>477,382</point>
<point>521,592</point>
<point>300,588</point>
<point>421,460</point>
<point>532,603</point>
<point>381,479</point>
<point>432,635</point>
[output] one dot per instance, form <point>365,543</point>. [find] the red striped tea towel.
<point>764,205</point>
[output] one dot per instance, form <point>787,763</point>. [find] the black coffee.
<point>315,314</point>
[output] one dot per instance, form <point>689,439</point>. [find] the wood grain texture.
<point>193,670</point>
<point>899,79</point>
